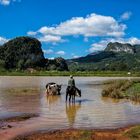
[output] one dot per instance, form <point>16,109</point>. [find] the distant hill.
<point>22,52</point>
<point>116,56</point>
<point>26,52</point>
<point>58,64</point>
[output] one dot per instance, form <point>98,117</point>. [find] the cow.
<point>53,89</point>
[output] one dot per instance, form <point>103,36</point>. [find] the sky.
<point>71,28</point>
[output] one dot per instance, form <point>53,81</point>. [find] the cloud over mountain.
<point>92,25</point>
<point>3,40</point>
<point>103,43</point>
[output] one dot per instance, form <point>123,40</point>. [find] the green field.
<point>67,73</point>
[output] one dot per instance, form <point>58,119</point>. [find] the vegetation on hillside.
<point>22,53</point>
<point>114,58</point>
<point>25,53</point>
<point>58,64</point>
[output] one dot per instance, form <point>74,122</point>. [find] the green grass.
<point>133,133</point>
<point>133,92</point>
<point>119,89</point>
<point>86,134</point>
<point>67,73</point>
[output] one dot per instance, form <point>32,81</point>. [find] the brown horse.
<point>72,92</point>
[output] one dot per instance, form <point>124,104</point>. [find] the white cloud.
<point>3,40</point>
<point>51,58</point>
<point>51,38</point>
<point>131,40</point>
<point>90,26</point>
<point>76,56</point>
<point>134,40</point>
<point>126,15</point>
<point>31,33</point>
<point>101,45</point>
<point>7,2</point>
<point>49,51</point>
<point>98,46</point>
<point>60,53</point>
<point>85,39</point>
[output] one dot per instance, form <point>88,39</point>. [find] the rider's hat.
<point>71,76</point>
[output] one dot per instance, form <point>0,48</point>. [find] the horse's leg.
<point>69,98</point>
<point>73,98</point>
<point>66,96</point>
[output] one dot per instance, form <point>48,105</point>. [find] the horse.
<point>72,92</point>
<point>53,89</point>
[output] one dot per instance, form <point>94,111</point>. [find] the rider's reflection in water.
<point>71,111</point>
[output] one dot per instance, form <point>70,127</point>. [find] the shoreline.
<point>79,134</point>
<point>63,133</point>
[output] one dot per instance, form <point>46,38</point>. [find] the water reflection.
<point>52,100</point>
<point>95,112</point>
<point>19,101</point>
<point>71,112</point>
<point>111,100</point>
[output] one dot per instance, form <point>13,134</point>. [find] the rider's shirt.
<point>71,83</point>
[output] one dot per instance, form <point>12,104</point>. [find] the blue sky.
<point>71,28</point>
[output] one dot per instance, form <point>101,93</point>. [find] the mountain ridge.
<point>116,56</point>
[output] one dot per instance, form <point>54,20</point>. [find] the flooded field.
<point>20,95</point>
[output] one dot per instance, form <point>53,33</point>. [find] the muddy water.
<point>89,111</point>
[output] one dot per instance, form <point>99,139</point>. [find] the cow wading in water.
<point>72,90</point>
<point>53,89</point>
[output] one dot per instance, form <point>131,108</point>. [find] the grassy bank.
<point>67,73</point>
<point>133,133</point>
<point>128,133</point>
<point>119,89</point>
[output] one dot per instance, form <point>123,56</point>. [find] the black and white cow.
<point>53,89</point>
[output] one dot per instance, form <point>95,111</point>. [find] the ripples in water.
<point>91,110</point>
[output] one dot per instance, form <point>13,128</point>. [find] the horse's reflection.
<point>71,111</point>
<point>52,100</point>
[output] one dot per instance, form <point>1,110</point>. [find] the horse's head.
<point>78,92</point>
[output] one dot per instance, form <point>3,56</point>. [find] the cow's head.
<point>59,89</point>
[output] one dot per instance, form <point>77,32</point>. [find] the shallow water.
<point>89,111</point>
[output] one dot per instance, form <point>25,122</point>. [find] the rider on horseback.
<point>71,82</point>
<point>72,90</point>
